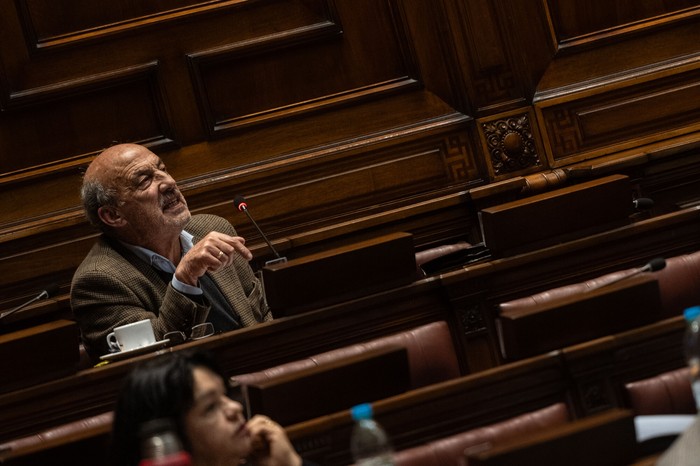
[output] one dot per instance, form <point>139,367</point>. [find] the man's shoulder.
<point>102,256</point>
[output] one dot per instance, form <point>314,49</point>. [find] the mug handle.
<point>112,342</point>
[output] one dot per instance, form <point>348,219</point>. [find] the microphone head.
<point>49,291</point>
<point>643,203</point>
<point>239,202</point>
<point>52,289</point>
<point>657,263</point>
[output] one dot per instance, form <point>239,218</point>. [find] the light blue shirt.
<point>165,265</point>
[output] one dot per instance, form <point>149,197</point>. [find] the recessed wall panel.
<point>47,125</point>
<point>303,69</point>
<point>575,19</point>
<point>583,126</point>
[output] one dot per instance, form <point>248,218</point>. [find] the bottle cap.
<point>158,438</point>
<point>691,313</point>
<point>361,411</point>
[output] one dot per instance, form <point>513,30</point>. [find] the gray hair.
<point>95,195</point>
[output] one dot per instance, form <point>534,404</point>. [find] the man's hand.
<point>214,252</point>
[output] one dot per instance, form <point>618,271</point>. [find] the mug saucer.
<point>118,356</point>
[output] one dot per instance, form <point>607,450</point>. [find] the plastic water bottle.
<point>692,349</point>
<point>369,443</point>
<point>160,445</point>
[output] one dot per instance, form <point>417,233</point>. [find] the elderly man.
<point>154,259</point>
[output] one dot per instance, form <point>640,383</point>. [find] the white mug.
<point>131,336</point>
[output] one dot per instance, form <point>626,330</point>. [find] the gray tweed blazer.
<point>113,287</point>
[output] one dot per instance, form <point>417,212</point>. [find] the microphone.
<point>653,265</point>
<point>643,203</point>
<point>50,290</point>
<point>240,203</point>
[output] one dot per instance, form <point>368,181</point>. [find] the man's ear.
<point>111,217</point>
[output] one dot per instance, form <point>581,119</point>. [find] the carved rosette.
<point>472,320</point>
<point>594,397</point>
<point>510,144</point>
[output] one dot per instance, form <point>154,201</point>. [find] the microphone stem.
<point>262,234</point>
<point>42,295</point>
<point>620,278</point>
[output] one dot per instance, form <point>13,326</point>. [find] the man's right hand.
<point>214,252</point>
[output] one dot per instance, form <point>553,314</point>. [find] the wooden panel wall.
<point>337,119</point>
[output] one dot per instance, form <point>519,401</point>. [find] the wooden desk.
<point>557,216</point>
<point>442,409</point>
<point>588,372</point>
<point>339,274</point>
<point>578,318</point>
<point>602,367</point>
<point>476,290</point>
<point>94,391</point>
<point>465,299</point>
<point>325,389</point>
<point>38,354</point>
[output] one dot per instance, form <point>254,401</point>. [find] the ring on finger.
<point>221,254</point>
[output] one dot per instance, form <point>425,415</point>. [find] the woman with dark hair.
<point>190,391</point>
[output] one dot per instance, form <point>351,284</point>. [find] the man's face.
<point>150,203</point>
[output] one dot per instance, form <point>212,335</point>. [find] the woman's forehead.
<point>206,382</point>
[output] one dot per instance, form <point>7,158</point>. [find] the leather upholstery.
<point>439,251</point>
<point>65,430</point>
<point>451,450</point>
<point>667,393</point>
<point>679,283</point>
<point>431,356</point>
<point>679,286</point>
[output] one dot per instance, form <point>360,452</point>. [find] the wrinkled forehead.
<point>119,163</point>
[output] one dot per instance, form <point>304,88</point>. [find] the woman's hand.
<point>271,446</point>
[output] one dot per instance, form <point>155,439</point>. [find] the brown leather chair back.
<point>679,283</point>
<point>679,286</point>
<point>667,393</point>
<point>431,356</point>
<point>451,450</point>
<point>55,434</point>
